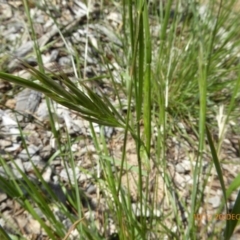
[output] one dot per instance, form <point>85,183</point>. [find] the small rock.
<point>8,122</point>
<point>42,111</point>
<point>83,177</point>
<point>32,149</point>
<point>36,160</point>
<point>27,102</point>
<point>6,10</point>
<point>16,166</point>
<point>91,189</point>
<point>33,138</point>
<point>67,223</point>
<point>183,167</point>
<point>5,143</point>
<point>3,206</point>
<point>47,174</point>
<point>108,131</point>
<point>11,103</point>
<point>22,221</point>
<point>179,180</point>
<point>9,224</point>
<point>13,147</point>
<point>45,152</point>
<point>80,126</point>
<point>3,197</point>
<point>215,201</point>
<point>64,61</point>
<point>179,168</point>
<point>114,18</point>
<point>28,166</point>
<point>33,226</point>
<point>74,147</point>
<point>146,212</point>
<point>87,149</point>
<point>67,174</point>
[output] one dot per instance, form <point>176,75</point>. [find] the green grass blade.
<point>3,234</point>
<point>25,83</point>
<point>234,218</point>
<point>235,184</point>
<point>147,81</point>
<point>217,165</point>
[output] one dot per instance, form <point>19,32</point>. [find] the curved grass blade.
<point>90,106</point>
<point>25,83</point>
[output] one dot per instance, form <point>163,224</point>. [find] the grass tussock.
<point>179,69</point>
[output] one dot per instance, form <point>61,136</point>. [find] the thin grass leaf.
<point>4,235</point>
<point>25,83</point>
<point>235,184</point>
<point>113,111</point>
<point>92,109</point>
<point>232,222</point>
<point>9,184</point>
<point>101,106</point>
<point>217,165</point>
<point>50,83</point>
<point>147,81</point>
<point>80,96</point>
<point>78,108</point>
